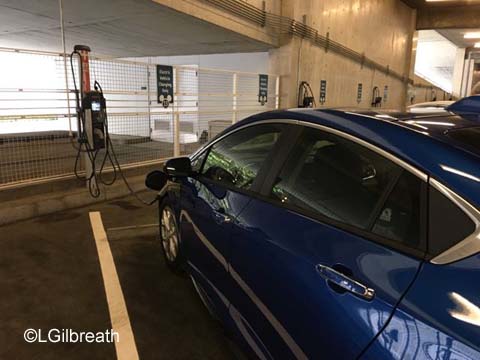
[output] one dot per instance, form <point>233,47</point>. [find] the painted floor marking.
<point>126,348</point>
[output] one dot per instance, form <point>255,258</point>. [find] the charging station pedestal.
<point>93,108</point>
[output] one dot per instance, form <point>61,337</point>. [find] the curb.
<point>48,203</point>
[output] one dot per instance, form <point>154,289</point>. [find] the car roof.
<point>432,124</point>
<point>435,125</point>
<point>419,139</point>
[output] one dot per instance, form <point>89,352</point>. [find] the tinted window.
<point>198,161</point>
<point>448,223</point>
<point>400,217</point>
<point>335,177</point>
<point>236,159</point>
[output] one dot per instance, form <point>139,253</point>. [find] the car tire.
<point>169,235</point>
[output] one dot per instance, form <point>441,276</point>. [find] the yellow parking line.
<point>125,347</point>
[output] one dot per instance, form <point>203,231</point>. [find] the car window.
<point>334,177</point>
<point>400,217</point>
<point>448,223</point>
<point>197,162</point>
<point>237,159</point>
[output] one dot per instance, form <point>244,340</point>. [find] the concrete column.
<point>234,99</point>
<point>468,76</point>
<point>458,72</point>
<point>410,55</point>
<point>284,62</point>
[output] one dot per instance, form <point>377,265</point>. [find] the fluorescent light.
<point>472,35</point>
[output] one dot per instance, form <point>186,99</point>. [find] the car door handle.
<point>220,216</point>
<point>346,283</point>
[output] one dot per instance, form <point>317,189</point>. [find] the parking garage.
<point>235,179</point>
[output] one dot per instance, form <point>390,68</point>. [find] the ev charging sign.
<point>165,85</point>
<point>262,88</point>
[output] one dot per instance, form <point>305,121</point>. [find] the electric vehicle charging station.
<point>219,72</point>
<point>92,124</point>
<point>91,117</point>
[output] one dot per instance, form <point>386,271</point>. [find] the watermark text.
<point>70,336</point>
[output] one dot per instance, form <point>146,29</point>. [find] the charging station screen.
<point>95,106</point>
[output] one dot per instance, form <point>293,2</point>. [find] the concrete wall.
<point>424,91</point>
<point>247,62</point>
<point>382,29</point>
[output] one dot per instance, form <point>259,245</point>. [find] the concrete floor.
<point>51,278</point>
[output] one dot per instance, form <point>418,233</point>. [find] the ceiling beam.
<point>412,3</point>
<point>448,17</point>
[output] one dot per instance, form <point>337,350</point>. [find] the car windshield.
<point>468,138</point>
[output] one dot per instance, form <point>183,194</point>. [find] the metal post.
<point>234,99</point>
<point>467,91</point>
<point>62,29</point>
<point>277,92</point>
<point>460,95</point>
<point>84,79</point>
<point>176,116</point>
<point>149,99</point>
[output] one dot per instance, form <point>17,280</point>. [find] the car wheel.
<point>170,237</point>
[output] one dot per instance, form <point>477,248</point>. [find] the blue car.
<point>333,234</point>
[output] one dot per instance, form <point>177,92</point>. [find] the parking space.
<point>317,165</point>
<point>53,280</point>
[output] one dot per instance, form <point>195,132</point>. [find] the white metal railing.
<point>37,132</point>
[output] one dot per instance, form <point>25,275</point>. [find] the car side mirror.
<point>178,167</point>
<point>156,180</point>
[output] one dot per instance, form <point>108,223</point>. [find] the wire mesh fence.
<point>38,122</point>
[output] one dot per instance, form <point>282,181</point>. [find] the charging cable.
<point>305,96</point>
<point>96,177</point>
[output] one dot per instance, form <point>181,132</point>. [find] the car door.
<point>321,258</point>
<point>449,326</point>
<point>228,171</point>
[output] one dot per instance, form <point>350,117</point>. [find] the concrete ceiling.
<point>115,28</point>
<point>456,37</point>
<point>435,3</point>
<point>446,14</point>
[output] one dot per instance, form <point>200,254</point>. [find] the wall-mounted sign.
<point>165,85</point>
<point>359,92</point>
<point>262,88</point>
<point>323,91</point>
<point>385,93</point>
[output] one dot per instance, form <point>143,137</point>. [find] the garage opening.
<point>38,116</point>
